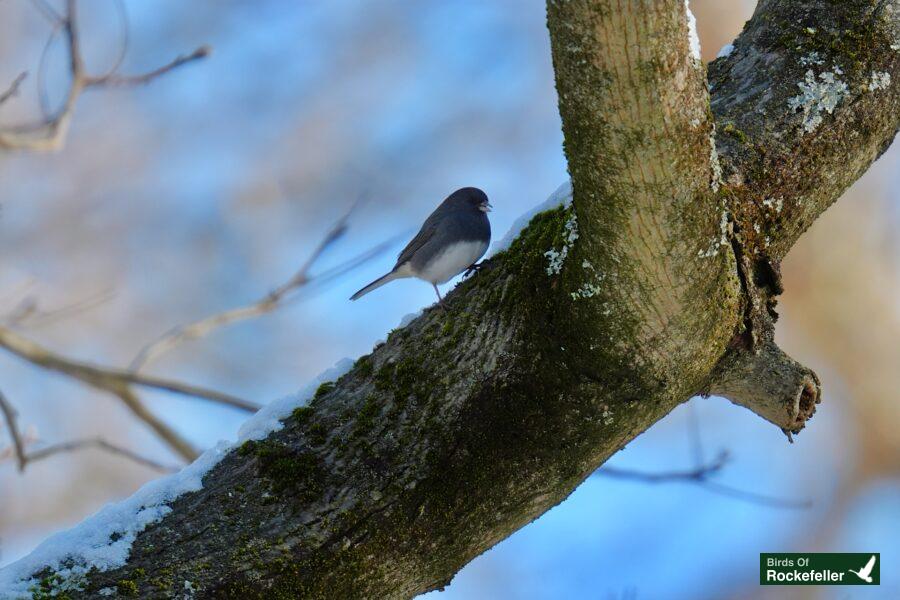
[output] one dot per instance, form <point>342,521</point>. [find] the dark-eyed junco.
<point>451,240</point>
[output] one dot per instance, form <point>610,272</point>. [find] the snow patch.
<point>409,318</point>
<point>103,541</point>
<point>269,417</point>
<point>818,96</point>
<point>725,51</point>
<point>693,38</point>
<point>561,197</point>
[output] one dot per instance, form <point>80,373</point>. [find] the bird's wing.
<point>869,565</point>
<point>417,242</point>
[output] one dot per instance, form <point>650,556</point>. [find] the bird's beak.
<point>486,207</point>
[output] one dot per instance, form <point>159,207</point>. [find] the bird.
<point>866,572</point>
<point>451,241</point>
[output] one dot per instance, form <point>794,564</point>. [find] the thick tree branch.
<point>638,140</point>
<point>807,100</point>
<point>466,425</point>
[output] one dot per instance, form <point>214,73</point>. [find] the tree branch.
<point>50,134</point>
<point>13,89</point>
<point>266,304</point>
<point>466,425</point>
<point>100,444</point>
<point>806,101</point>
<point>771,384</point>
<point>9,413</point>
<point>697,474</point>
<point>24,458</point>
<point>110,379</point>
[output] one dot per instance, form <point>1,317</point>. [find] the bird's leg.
<point>440,300</point>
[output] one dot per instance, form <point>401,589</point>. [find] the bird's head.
<point>471,197</point>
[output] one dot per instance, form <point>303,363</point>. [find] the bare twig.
<point>13,88</point>
<point>23,458</point>
<point>698,474</point>
<point>754,498</point>
<point>169,436</point>
<point>110,379</point>
<point>101,444</point>
<point>47,11</point>
<point>50,133</point>
<point>114,80</point>
<point>262,306</point>
<point>701,474</point>
<point>9,413</point>
<point>28,311</point>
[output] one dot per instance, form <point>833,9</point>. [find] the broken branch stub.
<point>771,384</point>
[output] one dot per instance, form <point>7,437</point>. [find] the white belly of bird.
<point>452,261</point>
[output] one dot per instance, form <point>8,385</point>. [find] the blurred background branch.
<point>13,88</point>
<point>50,133</point>
<point>18,448</point>
<point>264,305</point>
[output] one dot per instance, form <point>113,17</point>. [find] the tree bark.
<point>658,284</point>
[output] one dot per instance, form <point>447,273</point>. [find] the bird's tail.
<point>376,284</point>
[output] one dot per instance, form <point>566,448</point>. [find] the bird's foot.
<point>475,267</point>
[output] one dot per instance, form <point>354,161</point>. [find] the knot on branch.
<point>771,384</point>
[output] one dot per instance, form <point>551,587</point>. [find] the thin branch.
<point>111,380</point>
<point>698,474</point>
<point>268,303</point>
<point>24,458</point>
<point>13,89</point>
<point>9,413</point>
<point>702,472</point>
<point>113,80</point>
<point>169,436</point>
<point>28,311</point>
<point>100,444</point>
<point>47,11</point>
<point>754,498</point>
<point>49,134</point>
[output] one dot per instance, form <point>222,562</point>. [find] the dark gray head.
<point>468,198</point>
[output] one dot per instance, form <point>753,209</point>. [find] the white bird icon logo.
<point>866,572</point>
